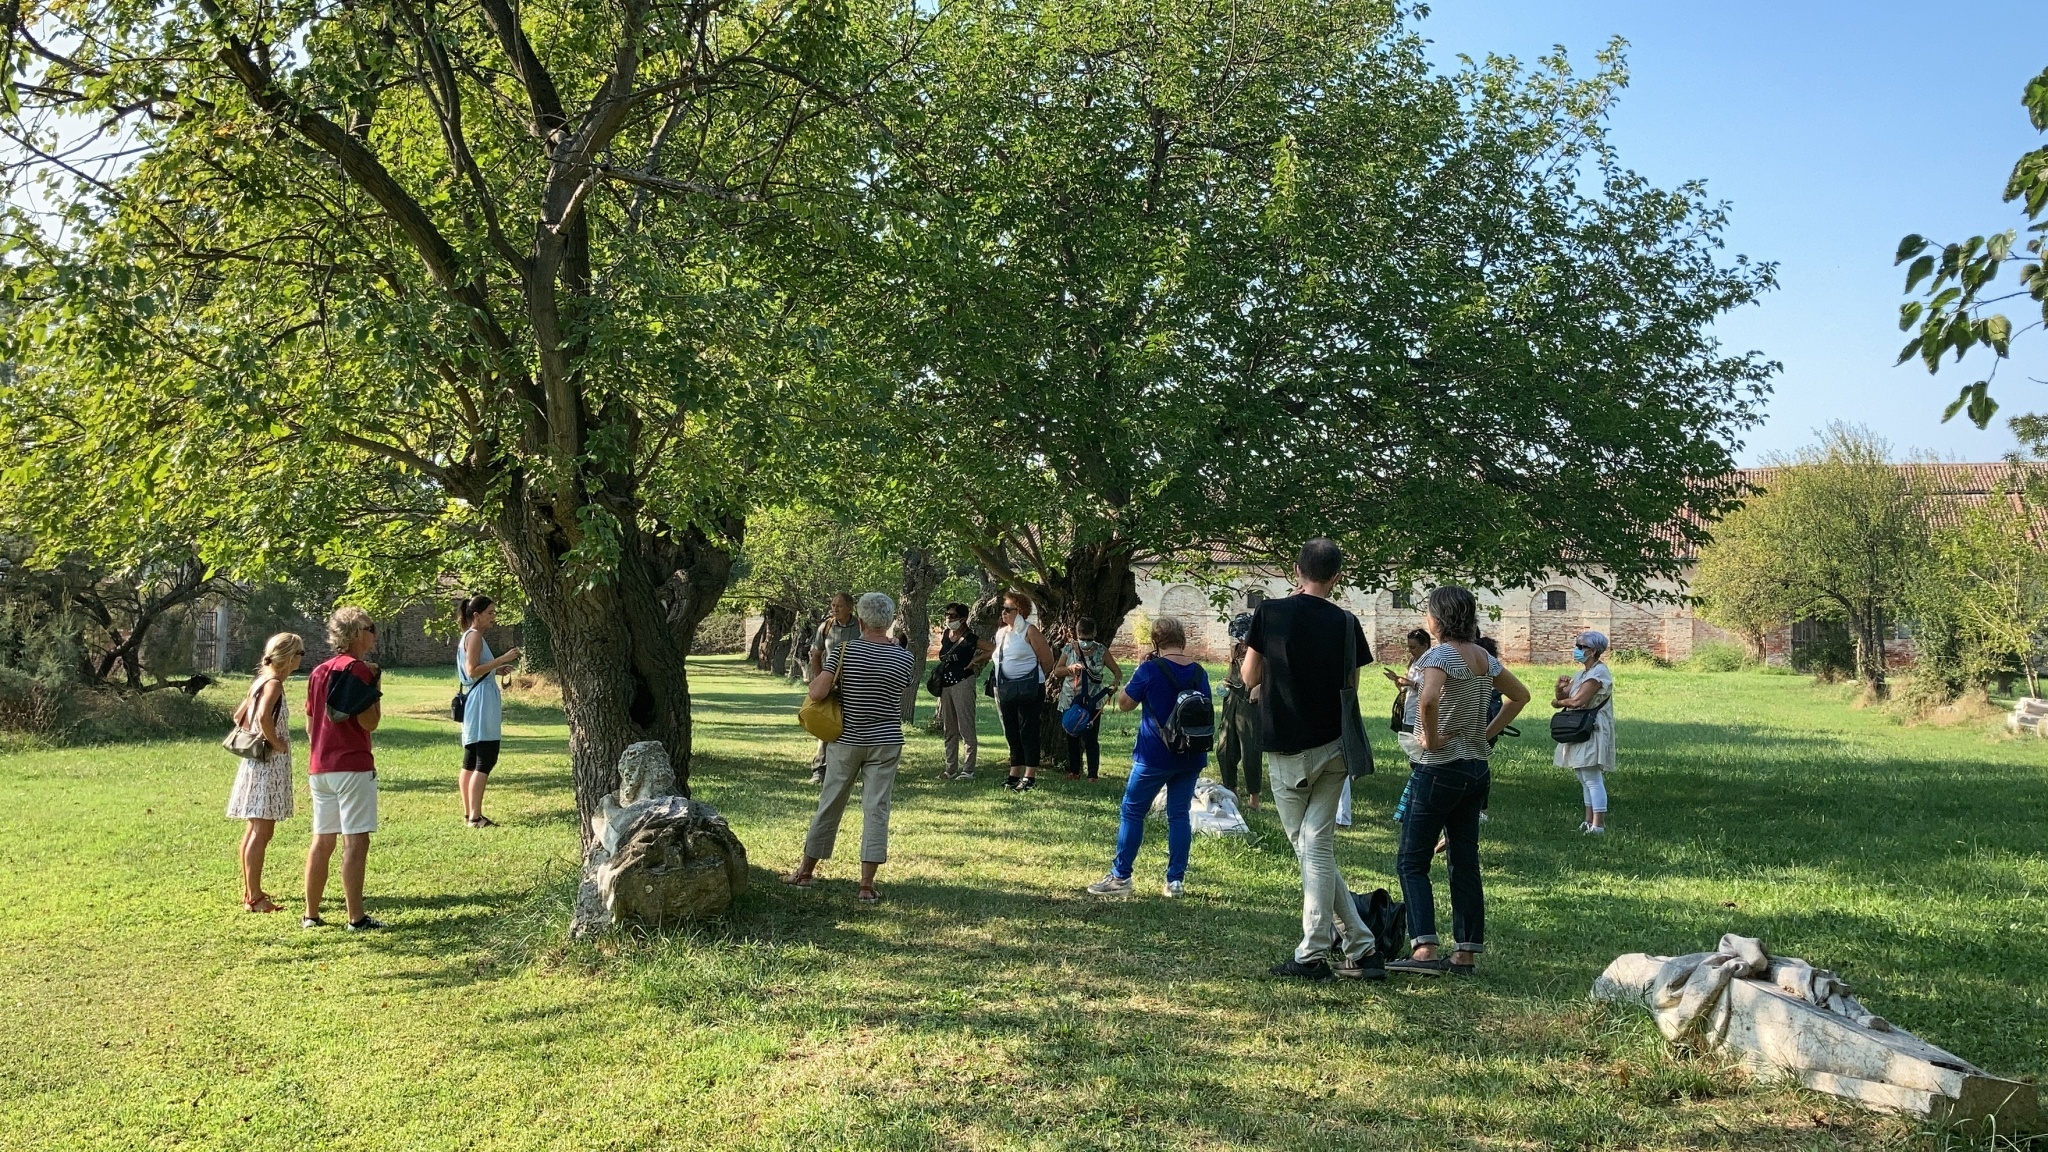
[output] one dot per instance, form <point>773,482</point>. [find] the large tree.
<point>406,276</point>
<point>1162,281</point>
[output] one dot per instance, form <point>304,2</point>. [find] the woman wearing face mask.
<point>1593,688</point>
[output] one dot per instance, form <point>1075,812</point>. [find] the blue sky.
<point>1833,129</point>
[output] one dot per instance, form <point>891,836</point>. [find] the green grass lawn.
<point>989,1003</point>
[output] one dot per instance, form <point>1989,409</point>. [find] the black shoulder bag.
<point>1357,749</point>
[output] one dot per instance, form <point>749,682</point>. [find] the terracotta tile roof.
<point>1954,487</point>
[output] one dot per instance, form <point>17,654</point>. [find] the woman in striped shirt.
<point>1454,685</point>
<point>870,674</point>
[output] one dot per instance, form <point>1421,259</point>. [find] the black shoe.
<point>1313,970</point>
<point>366,924</point>
<point>1027,784</point>
<point>1011,782</point>
<point>1367,967</point>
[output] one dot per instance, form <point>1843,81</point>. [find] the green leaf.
<point>1982,406</point>
<point>1909,314</point>
<point>1997,332</point>
<point>1922,268</point>
<point>1910,247</point>
<point>1956,405</point>
<point>1907,353</point>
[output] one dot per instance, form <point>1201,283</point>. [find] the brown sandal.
<point>799,879</point>
<point>262,903</point>
<point>868,895</point>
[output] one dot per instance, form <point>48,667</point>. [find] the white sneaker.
<point>1583,825</point>
<point>1482,817</point>
<point>1596,829</point>
<point>1111,885</point>
<point>1173,889</point>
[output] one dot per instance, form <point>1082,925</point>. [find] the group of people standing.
<point>1295,662</point>
<point>341,765</point>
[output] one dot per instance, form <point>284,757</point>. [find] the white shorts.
<point>344,802</point>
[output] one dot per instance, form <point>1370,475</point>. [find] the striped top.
<point>1461,712</point>
<point>871,681</point>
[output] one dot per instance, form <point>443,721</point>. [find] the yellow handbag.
<point>822,718</point>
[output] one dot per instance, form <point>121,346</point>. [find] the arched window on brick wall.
<point>1404,600</point>
<point>1555,600</point>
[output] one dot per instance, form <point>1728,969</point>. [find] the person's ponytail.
<point>466,611</point>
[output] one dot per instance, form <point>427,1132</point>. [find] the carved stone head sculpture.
<point>645,773</point>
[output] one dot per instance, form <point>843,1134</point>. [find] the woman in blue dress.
<point>483,714</point>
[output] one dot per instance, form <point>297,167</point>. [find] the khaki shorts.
<point>343,802</point>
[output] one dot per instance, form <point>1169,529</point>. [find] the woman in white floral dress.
<point>263,788</point>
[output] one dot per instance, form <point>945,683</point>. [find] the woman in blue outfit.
<point>1156,684</point>
<point>483,712</point>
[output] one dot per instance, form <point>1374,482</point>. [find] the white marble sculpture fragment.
<point>1785,1018</point>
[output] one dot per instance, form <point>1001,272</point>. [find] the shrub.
<point>1639,656</point>
<point>721,634</point>
<point>56,714</point>
<point>1718,656</point>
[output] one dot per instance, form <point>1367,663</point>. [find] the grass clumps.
<point>37,712</point>
<point>1719,656</point>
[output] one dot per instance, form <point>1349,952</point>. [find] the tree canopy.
<point>1160,283</point>
<point>424,285</point>
<point>1838,533</point>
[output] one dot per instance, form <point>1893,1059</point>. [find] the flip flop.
<point>799,879</point>
<point>869,896</point>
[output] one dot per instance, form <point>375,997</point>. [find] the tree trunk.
<point>536,646</point>
<point>913,609</point>
<point>1096,582</point>
<point>618,645</point>
<point>776,623</point>
<point>1868,626</point>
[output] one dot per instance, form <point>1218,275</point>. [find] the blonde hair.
<point>1169,632</point>
<point>345,625</point>
<point>282,647</point>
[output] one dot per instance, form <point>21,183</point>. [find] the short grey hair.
<point>875,609</point>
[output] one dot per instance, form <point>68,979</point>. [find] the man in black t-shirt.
<point>1296,658</point>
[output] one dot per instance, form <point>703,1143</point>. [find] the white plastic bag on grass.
<point>1212,812</point>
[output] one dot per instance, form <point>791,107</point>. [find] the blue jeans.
<point>1445,798</point>
<point>1139,791</point>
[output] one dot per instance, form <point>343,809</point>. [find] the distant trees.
<point>1842,533</point>
<point>1982,601</point>
<point>1839,534</point>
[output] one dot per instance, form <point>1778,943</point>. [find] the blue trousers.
<point>1445,799</point>
<point>1139,791</point>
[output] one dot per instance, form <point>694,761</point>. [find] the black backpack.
<point>1388,919</point>
<point>1190,725</point>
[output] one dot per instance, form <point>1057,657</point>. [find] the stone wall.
<point>1534,625</point>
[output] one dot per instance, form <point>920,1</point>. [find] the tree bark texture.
<point>1094,580</point>
<point>619,643</point>
<point>1867,623</point>
<point>913,609</point>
